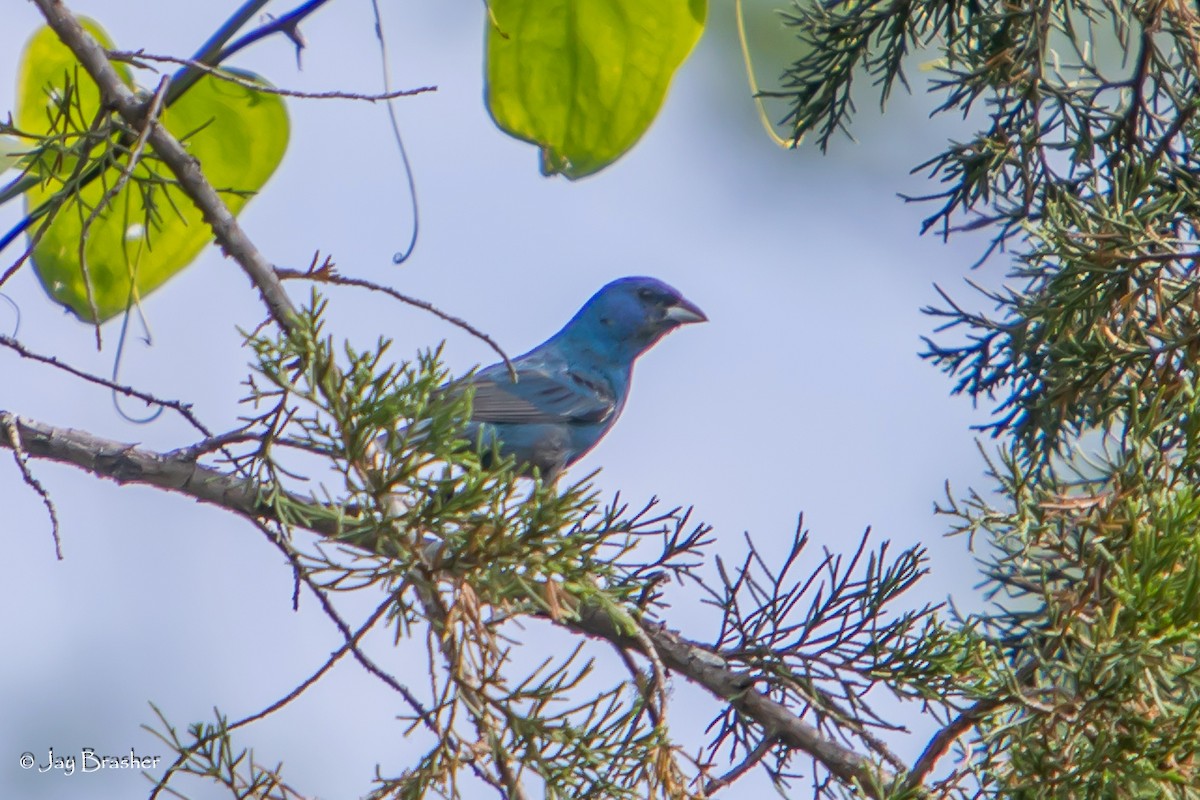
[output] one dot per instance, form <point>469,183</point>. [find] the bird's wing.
<point>540,396</point>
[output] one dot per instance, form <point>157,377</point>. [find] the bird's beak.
<point>685,312</point>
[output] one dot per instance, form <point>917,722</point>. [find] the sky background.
<point>804,393</point>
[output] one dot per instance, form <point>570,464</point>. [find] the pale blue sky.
<point>803,393</point>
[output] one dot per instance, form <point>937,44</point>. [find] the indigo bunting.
<point>571,388</point>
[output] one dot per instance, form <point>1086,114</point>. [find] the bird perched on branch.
<point>571,388</point>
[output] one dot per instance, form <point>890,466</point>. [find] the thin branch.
<point>211,444</point>
<point>1177,124</point>
<point>1137,103</point>
<point>183,409</point>
<point>748,763</point>
<point>288,24</point>
<point>349,645</point>
<point>21,457</point>
<point>437,614</point>
<point>327,274</point>
<point>942,740</point>
<point>640,682</point>
<point>658,673</point>
<point>135,57</point>
<point>161,784</point>
<point>214,51</point>
<point>352,640</point>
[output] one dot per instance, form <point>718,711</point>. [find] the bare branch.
<point>9,423</point>
<point>327,274</point>
<point>183,409</point>
<point>748,763</point>
<point>136,57</point>
<point>127,463</point>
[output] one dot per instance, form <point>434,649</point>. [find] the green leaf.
<point>46,66</point>
<point>583,79</point>
<point>149,230</point>
<point>11,150</point>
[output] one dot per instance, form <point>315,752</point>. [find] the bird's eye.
<point>649,295</point>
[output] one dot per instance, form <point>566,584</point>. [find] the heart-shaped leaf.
<point>136,238</point>
<point>583,79</point>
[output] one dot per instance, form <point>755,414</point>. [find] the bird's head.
<point>631,314</point>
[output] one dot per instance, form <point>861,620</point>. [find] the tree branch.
<point>753,759</point>
<point>175,472</point>
<point>942,740</point>
<point>9,425</point>
<point>140,58</point>
<point>703,667</point>
<point>698,663</point>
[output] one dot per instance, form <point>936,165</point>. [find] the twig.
<point>221,73</point>
<point>349,645</point>
<point>211,443</point>
<point>640,682</point>
<point>748,763</point>
<point>825,703</point>
<point>658,672</point>
<point>942,740</point>
<point>1137,103</point>
<point>214,50</point>
<point>288,24</point>
<point>11,427</point>
<point>327,274</point>
<point>161,784</point>
<point>183,409</point>
<point>352,642</point>
<point>476,701</point>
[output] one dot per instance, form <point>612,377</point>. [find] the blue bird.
<point>571,388</point>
